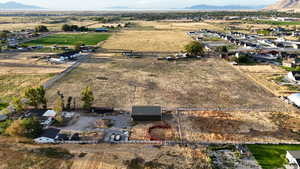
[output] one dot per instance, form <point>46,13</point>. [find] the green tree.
<point>36,97</point>
<point>58,105</point>
<point>195,48</point>
<point>18,104</point>
<point>3,35</point>
<point>87,97</point>
<point>77,46</point>
<point>29,127</point>
<point>41,28</point>
<point>66,27</point>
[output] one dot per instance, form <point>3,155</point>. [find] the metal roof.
<point>50,133</point>
<point>146,110</point>
<point>295,154</point>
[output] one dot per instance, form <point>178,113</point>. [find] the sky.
<point>153,4</point>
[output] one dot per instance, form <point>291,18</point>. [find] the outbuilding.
<point>146,113</point>
<point>294,158</point>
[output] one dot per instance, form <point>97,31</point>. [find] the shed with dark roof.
<point>146,113</point>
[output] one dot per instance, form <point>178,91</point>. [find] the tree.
<point>29,127</point>
<point>77,46</point>
<point>69,102</point>
<point>87,97</point>
<point>194,48</point>
<point>58,105</point>
<point>66,28</point>
<point>17,104</point>
<point>41,28</point>
<point>3,35</point>
<point>222,49</point>
<point>36,96</point>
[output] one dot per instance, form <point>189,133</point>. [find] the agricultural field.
<point>240,126</point>
<point>272,156</point>
<point>21,70</point>
<point>207,83</point>
<point>70,39</point>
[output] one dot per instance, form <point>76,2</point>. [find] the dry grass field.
<point>179,26</point>
<point>123,157</point>
<point>19,71</point>
<point>208,83</point>
<point>16,155</point>
<point>156,36</point>
<point>148,40</point>
<point>240,126</point>
<point>265,75</point>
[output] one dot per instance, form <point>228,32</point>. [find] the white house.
<point>294,76</point>
<point>50,113</point>
<point>48,136</point>
<point>293,158</point>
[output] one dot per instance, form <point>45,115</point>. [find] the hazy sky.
<point>99,4</point>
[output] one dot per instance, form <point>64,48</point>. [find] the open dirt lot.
<point>209,83</point>
<point>140,131</point>
<point>240,126</point>
<point>19,71</point>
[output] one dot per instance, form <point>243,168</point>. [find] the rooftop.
<point>50,133</point>
<point>146,110</point>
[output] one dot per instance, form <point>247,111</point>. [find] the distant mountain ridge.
<point>226,7</point>
<point>17,6</point>
<point>283,5</point>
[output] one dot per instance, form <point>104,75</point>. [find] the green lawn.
<point>271,156</point>
<point>70,39</point>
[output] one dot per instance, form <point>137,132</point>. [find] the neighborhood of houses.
<point>261,50</point>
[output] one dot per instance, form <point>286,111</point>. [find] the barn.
<point>146,113</point>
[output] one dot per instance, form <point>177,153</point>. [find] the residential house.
<point>48,136</point>
<point>294,76</point>
<point>294,158</point>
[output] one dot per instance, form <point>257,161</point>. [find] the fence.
<point>78,142</point>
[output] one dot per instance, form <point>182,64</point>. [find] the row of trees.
<point>72,28</point>
<point>35,97</point>
<point>41,28</point>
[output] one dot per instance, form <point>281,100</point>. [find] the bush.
<point>4,125</point>
<point>58,153</point>
<point>194,48</point>
<point>30,128</point>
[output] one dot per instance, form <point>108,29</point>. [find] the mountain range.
<point>17,6</point>
<point>226,7</point>
<point>284,5</point>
